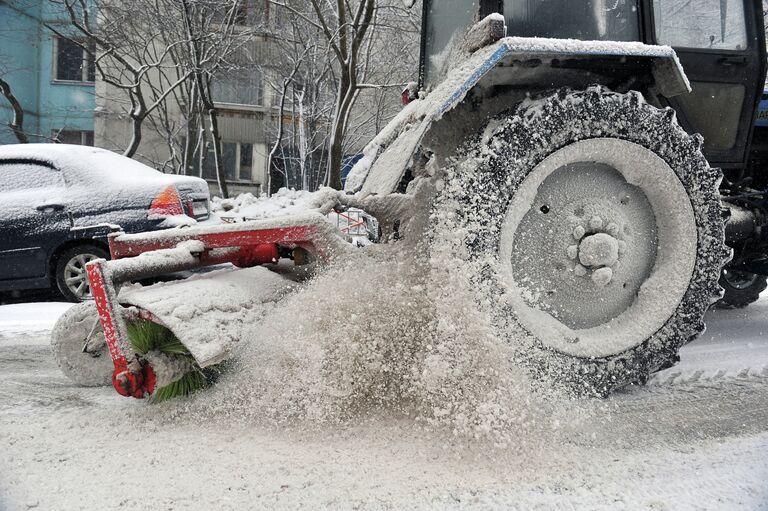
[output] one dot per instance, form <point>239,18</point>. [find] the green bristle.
<point>189,383</point>
<point>146,336</point>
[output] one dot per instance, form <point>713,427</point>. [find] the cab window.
<point>705,24</point>
<point>446,19</point>
<point>588,20</point>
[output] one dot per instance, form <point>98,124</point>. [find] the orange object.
<point>168,203</point>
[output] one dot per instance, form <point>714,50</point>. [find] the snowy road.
<point>695,438</point>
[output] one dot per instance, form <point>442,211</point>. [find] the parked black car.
<point>59,202</point>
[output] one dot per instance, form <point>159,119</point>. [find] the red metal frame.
<point>121,246</point>
<point>131,378</point>
<point>134,377</point>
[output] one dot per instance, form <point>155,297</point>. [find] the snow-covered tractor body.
<point>553,131</point>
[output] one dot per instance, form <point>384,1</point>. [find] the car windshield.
<point>587,20</point>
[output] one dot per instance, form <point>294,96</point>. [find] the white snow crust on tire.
<point>635,309</point>
<point>67,339</point>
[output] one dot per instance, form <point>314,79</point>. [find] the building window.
<point>73,63</point>
<point>75,137</point>
<point>229,158</point>
<point>246,162</point>
<point>237,159</point>
<point>209,163</point>
<point>239,87</point>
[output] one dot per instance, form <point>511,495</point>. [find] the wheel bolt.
<point>602,277</point>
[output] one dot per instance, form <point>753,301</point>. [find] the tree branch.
<point>17,124</point>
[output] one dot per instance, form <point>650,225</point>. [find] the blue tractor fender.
<point>388,156</point>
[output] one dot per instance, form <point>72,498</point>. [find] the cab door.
<point>721,45</point>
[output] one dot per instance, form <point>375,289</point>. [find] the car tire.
<point>70,276</point>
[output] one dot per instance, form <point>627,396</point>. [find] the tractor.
<point>602,161</point>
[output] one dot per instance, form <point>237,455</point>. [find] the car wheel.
<point>71,278</point>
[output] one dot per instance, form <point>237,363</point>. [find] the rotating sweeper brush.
<point>553,163</point>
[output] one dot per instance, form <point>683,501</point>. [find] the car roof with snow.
<point>85,161</point>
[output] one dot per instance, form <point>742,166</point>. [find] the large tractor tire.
<point>740,288</point>
<point>595,221</point>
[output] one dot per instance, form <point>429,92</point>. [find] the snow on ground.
<point>33,320</point>
<point>675,444</point>
<point>734,345</point>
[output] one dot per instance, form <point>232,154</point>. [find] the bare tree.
<point>277,145</point>
<point>163,56</point>
<point>214,43</point>
<point>345,28</point>
<point>17,122</point>
<point>360,51</point>
<point>302,83</point>
<point>126,53</point>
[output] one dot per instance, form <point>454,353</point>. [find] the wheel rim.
<point>740,279</point>
<point>75,277</point>
<point>598,247</point>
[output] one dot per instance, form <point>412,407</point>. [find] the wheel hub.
<point>597,247</point>
<point>75,276</point>
<point>584,251</point>
<point>598,252</point>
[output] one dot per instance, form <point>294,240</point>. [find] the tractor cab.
<point>720,44</point>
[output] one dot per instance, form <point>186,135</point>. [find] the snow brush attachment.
<point>160,337</point>
<point>176,372</point>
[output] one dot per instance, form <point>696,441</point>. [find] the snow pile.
<point>248,207</point>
